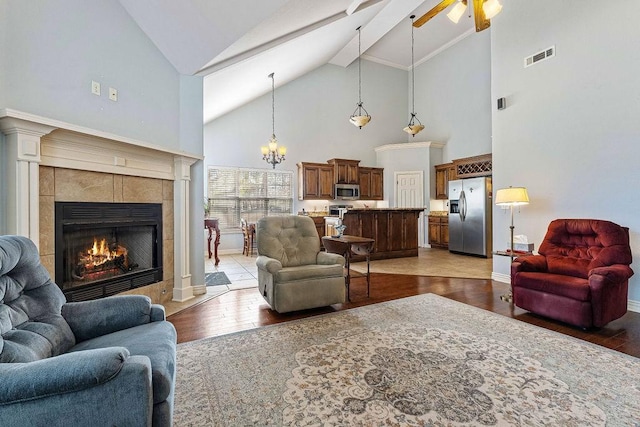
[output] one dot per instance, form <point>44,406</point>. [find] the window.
<point>235,193</point>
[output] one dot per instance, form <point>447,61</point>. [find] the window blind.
<point>235,193</point>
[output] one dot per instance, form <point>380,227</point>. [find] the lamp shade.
<point>512,196</point>
<point>457,12</point>
<point>491,8</point>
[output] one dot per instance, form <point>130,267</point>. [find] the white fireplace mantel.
<point>32,141</point>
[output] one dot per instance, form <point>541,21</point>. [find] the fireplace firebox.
<point>106,248</point>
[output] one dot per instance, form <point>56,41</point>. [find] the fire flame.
<point>99,253</point>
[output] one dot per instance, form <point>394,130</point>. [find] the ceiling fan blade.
<point>482,23</point>
<point>433,12</point>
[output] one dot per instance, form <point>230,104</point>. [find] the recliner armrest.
<point>329,258</point>
<point>271,265</point>
<point>67,373</point>
<point>158,313</point>
<point>90,319</point>
<point>529,263</point>
<point>614,273</point>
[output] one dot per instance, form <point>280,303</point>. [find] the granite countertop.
<point>438,213</point>
<point>384,209</point>
<point>315,213</point>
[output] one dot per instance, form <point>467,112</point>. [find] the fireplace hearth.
<point>106,248</point>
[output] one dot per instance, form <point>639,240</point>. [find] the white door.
<point>409,194</point>
<point>409,189</point>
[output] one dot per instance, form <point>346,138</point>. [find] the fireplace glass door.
<point>106,248</point>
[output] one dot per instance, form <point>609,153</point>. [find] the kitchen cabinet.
<point>439,231</point>
<point>315,181</point>
<point>444,174</point>
<point>395,230</point>
<point>371,183</point>
<point>319,222</point>
<point>345,171</point>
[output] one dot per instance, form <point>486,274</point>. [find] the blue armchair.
<point>103,362</point>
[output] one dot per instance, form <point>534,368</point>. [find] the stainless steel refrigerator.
<point>470,216</point>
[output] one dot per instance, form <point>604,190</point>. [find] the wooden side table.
<point>345,245</point>
<point>211,224</point>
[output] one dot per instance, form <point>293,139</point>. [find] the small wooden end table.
<point>345,245</point>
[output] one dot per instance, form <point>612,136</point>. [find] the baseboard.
<point>632,305</point>
<point>499,277</point>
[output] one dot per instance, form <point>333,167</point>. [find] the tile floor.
<point>241,271</point>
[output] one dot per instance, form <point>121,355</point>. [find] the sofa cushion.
<point>30,322</point>
<point>567,286</point>
<point>305,272</point>
<point>156,340</point>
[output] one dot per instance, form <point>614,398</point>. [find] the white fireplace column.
<point>182,287</point>
<point>19,167</point>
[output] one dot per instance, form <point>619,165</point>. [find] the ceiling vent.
<point>539,56</point>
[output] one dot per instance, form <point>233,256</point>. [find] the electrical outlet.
<point>95,87</point>
<point>113,94</point>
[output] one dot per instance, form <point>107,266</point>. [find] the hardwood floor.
<point>246,309</point>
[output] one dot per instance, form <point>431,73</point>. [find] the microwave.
<point>347,191</point>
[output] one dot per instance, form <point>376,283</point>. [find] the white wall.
<point>453,97</point>
<point>3,53</point>
<point>54,49</point>
<point>50,51</point>
<point>570,130</point>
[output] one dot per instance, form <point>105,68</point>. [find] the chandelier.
<point>273,154</point>
<point>358,118</point>
<point>414,125</point>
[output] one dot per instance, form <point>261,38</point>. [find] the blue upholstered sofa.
<point>105,362</point>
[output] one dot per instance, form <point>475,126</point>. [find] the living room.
<point>568,132</point>
<point>566,101</point>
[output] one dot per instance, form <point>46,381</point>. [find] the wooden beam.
<point>482,23</point>
<point>433,12</point>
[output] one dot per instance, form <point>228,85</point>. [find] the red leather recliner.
<point>581,276</point>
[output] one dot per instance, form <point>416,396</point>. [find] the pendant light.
<point>273,154</point>
<point>413,128</point>
<point>358,118</point>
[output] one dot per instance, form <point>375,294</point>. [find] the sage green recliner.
<point>293,274</point>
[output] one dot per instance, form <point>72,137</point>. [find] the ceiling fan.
<point>483,11</point>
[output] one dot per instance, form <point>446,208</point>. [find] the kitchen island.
<point>395,230</point>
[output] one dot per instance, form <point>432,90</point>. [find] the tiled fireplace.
<point>85,201</point>
<point>51,165</point>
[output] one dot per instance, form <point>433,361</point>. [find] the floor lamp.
<point>512,196</point>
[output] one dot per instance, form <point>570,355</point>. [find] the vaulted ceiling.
<point>236,44</point>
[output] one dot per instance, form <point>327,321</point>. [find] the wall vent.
<point>539,56</point>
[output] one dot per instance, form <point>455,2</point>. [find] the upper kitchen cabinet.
<point>315,181</point>
<point>444,174</point>
<point>468,167</point>
<point>345,171</point>
<point>371,183</point>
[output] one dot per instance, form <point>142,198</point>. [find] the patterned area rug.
<point>423,360</point>
<point>216,279</point>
